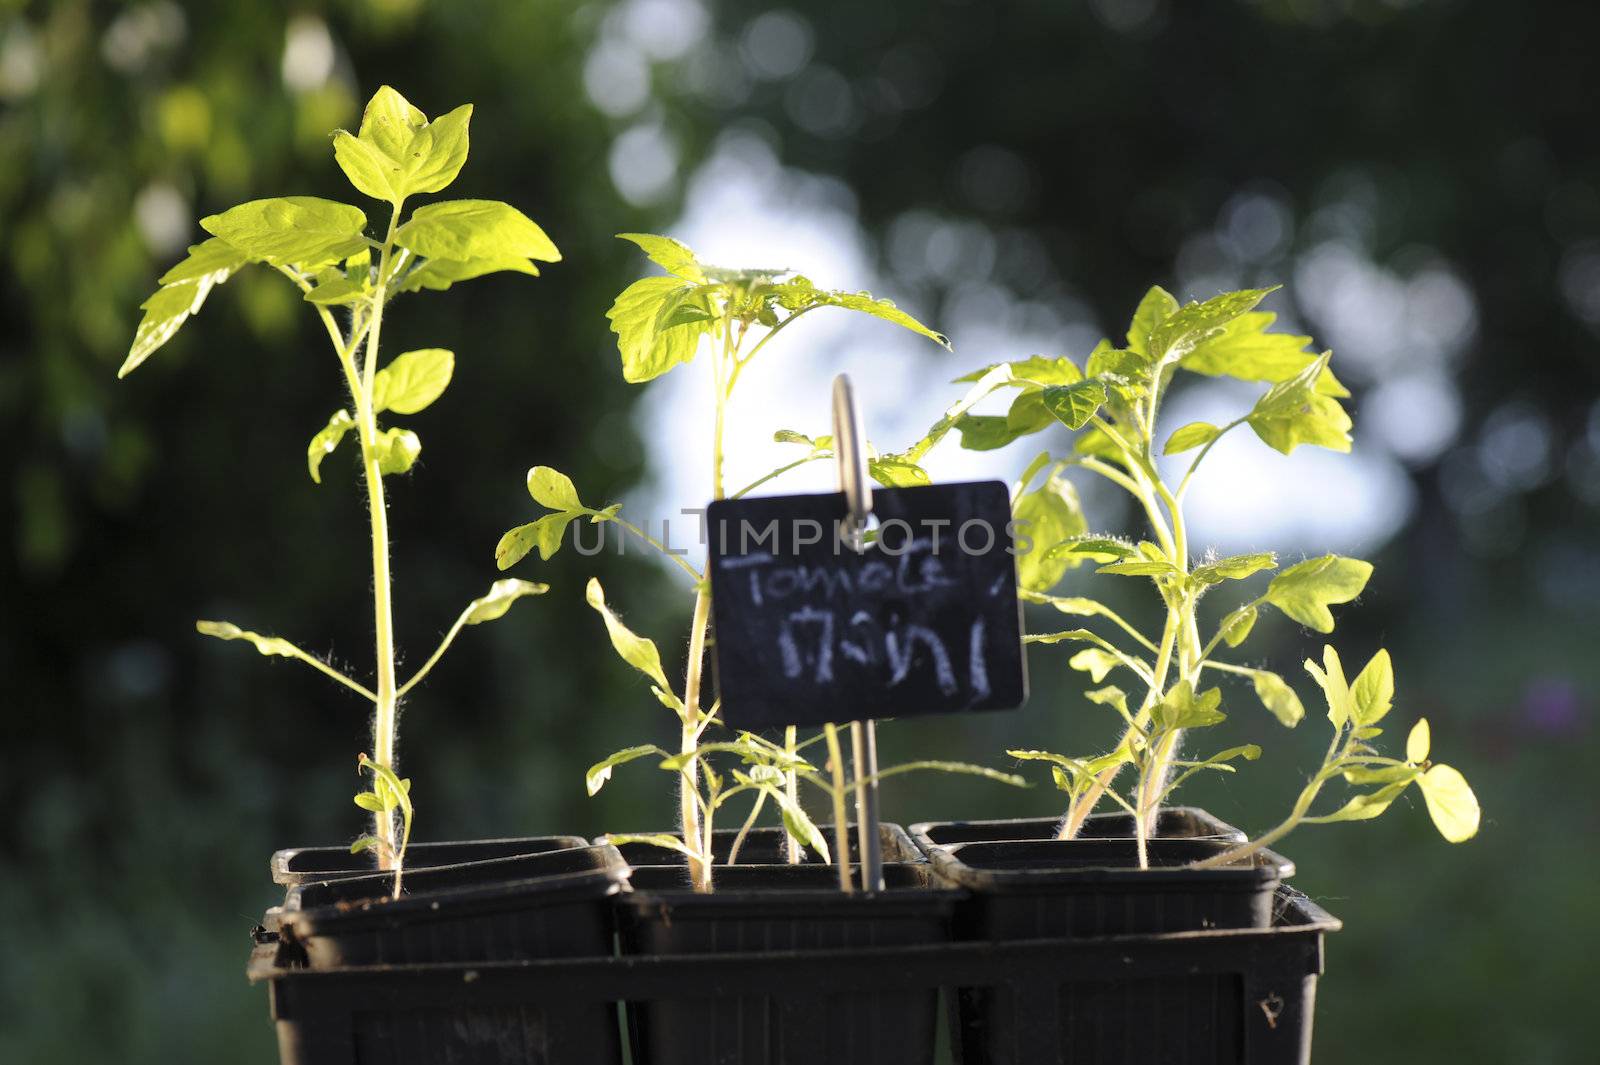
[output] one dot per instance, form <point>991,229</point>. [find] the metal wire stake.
<point>849,447</point>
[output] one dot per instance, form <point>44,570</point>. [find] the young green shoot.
<point>348,270</point>
<point>661,323</point>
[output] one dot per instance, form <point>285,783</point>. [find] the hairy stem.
<point>791,785</point>
<point>699,866</point>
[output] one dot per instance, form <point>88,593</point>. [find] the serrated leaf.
<point>1244,350</point>
<point>885,310</point>
<point>1047,515</point>
<point>648,344</point>
<point>493,605</point>
<point>369,169</point>
<point>327,438</point>
<point>1373,690</point>
<point>1451,803</point>
<point>1155,308</point>
<point>413,380</point>
<point>438,152</point>
<point>212,258</point>
<point>553,489</point>
<point>464,230</point>
<point>164,314</point>
<point>1276,695</point>
<point>1419,742</point>
<point>1182,708</point>
<point>1293,412</point>
<point>600,772</point>
<point>267,645</point>
<point>1073,405</point>
<point>397,450</point>
<point>1234,567</point>
<point>1188,437</point>
<point>672,256</point>
<point>1186,327</point>
<point>302,230</point>
<point>1305,591</point>
<point>545,534</point>
<point>638,651</point>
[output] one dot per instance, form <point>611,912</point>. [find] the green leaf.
<point>1181,708</point>
<point>664,840</point>
<point>302,230</point>
<point>1293,412</point>
<point>267,645</point>
<point>545,534</point>
<point>672,256</point>
<point>1234,568</point>
<point>1188,437</point>
<point>412,381</point>
<point>1365,807</point>
<point>1096,662</point>
<point>326,440</point>
<point>1341,704</point>
<point>1419,742</point>
<point>369,801</point>
<point>1276,695</point>
<point>397,450</point>
<point>1306,590</point>
<point>499,598</point>
<point>339,291</point>
<point>438,152</point>
<point>1373,690</point>
<point>1140,567</point>
<point>984,432</point>
<point>797,822</point>
<point>1186,327</point>
<point>440,274</point>
<point>184,288</point>
<point>650,339</point>
<point>1155,308</point>
<point>1243,349</point>
<point>464,230</point>
<point>885,310</point>
<point>1099,548</point>
<point>365,843</point>
<point>1046,516</point>
<point>1451,803</point>
<point>553,489</point>
<point>370,170</point>
<point>896,471</point>
<point>1073,405</point>
<point>638,651</point>
<point>1236,627</point>
<point>390,123</point>
<point>1033,372</point>
<point>600,772</point>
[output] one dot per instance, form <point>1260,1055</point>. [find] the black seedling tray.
<point>765,846</point>
<point>306,865</point>
<point>1219,997</point>
<point>504,909</point>
<point>1174,821</point>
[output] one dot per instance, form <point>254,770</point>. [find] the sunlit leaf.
<point>1373,690</point>
<point>672,256</point>
<point>327,438</point>
<point>1193,435</point>
<point>638,651</point>
<point>600,772</point>
<point>1046,516</point>
<point>301,230</point>
<point>397,450</point>
<point>499,598</point>
<point>412,381</point>
<point>1419,742</point>
<point>1305,591</point>
<point>1451,803</point>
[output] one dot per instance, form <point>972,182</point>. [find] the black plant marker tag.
<point>924,620</point>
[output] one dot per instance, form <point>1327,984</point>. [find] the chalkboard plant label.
<point>347,277</point>
<point>662,322</point>
<point>1161,686</point>
<point>923,620</point>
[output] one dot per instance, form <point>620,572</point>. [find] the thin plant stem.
<point>841,831</point>
<point>749,822</point>
<point>791,785</point>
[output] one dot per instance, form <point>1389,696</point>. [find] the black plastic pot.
<point>504,909</point>
<point>305,865</point>
<point>1242,997</point>
<point>793,911</point>
<point>346,954</point>
<point>1075,889</point>
<point>765,846</point>
<point>1183,821</point>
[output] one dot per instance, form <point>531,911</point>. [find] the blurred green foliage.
<point>1073,154</point>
